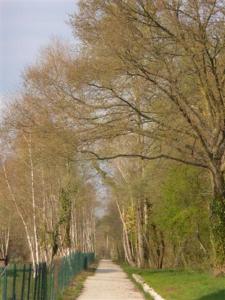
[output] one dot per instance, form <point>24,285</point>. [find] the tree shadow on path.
<point>107,271</point>
<point>220,295</point>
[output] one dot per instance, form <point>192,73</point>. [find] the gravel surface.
<point>109,283</point>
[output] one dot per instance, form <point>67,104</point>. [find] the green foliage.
<point>183,206</point>
<point>217,226</point>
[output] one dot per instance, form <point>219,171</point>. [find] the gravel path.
<point>109,283</point>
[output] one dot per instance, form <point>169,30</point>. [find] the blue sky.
<point>26,26</point>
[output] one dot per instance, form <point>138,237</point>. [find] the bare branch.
<point>145,157</point>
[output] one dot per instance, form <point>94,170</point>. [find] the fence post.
<point>29,280</point>
<point>4,285</point>
<point>75,263</point>
<point>23,282</point>
<point>85,261</point>
<point>53,292</point>
<point>14,283</point>
<point>44,282</point>
<point>39,280</point>
<point>35,281</point>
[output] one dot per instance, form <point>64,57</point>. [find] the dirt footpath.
<point>109,283</point>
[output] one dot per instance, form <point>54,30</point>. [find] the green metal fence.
<point>22,282</point>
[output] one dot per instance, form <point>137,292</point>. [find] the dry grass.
<point>76,286</point>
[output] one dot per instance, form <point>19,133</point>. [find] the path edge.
<point>146,287</point>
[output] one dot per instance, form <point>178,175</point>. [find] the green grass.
<point>183,285</point>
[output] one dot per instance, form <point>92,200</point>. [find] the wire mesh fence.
<point>23,282</point>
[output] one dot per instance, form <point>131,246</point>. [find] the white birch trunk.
<point>13,197</point>
<point>29,143</point>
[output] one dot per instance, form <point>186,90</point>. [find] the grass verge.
<point>75,288</point>
<point>182,285</point>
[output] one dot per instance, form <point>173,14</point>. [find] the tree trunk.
<point>19,211</point>
<point>126,242</point>
<point>126,247</point>
<point>140,238</point>
<point>4,240</point>
<point>33,199</point>
<point>218,220</point>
